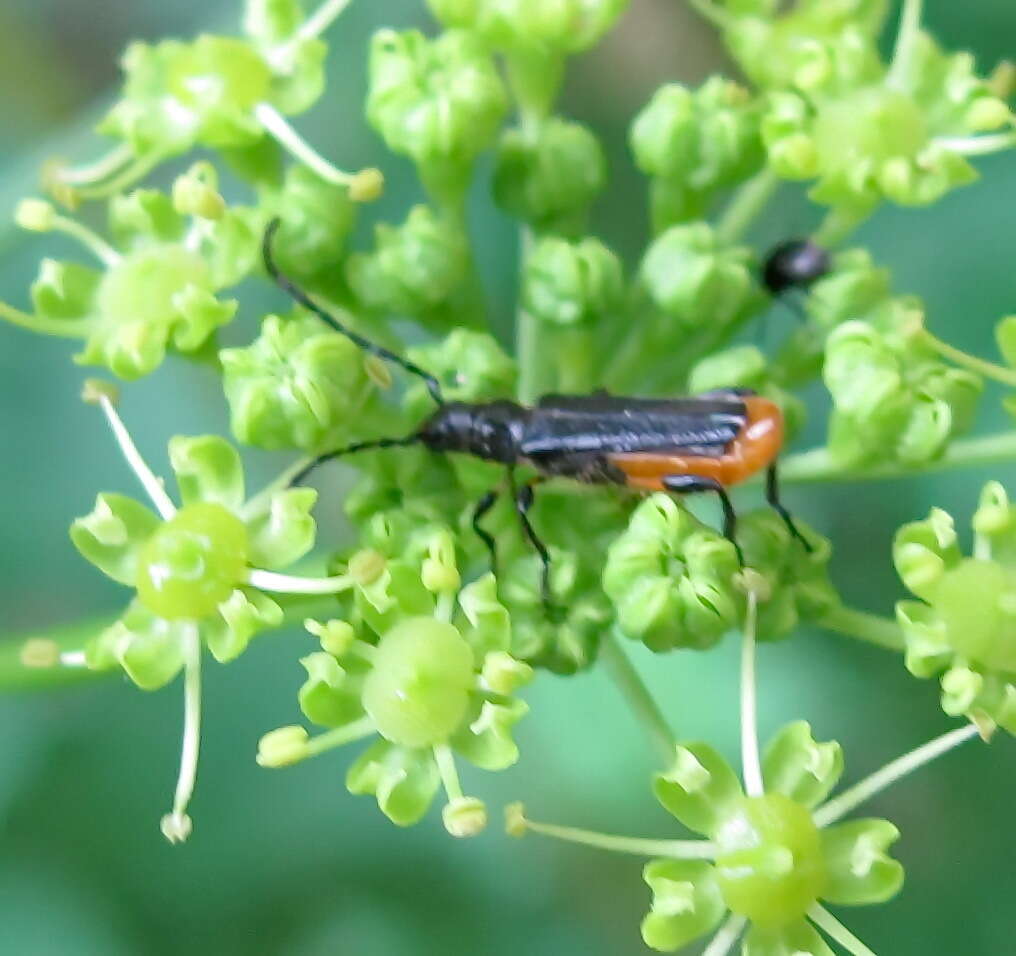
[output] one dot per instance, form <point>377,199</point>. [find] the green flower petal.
<point>207,469</point>
<point>148,648</point>
<point>239,618</point>
<point>331,694</point>
<point>403,781</point>
<point>490,626</point>
<point>112,536</point>
<point>64,290</point>
<point>144,217</point>
<point>799,768</point>
<point>485,737</point>
<point>859,869</point>
<point>686,903</point>
<point>699,788</point>
<point>285,531</point>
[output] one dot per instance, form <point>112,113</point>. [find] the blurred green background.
<point>286,862</point>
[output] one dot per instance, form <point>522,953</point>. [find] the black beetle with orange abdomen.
<point>679,445</point>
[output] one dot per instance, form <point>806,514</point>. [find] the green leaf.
<point>686,903</point>
<point>113,534</point>
<point>860,871</point>
<point>699,788</point>
<point>207,469</point>
<point>799,768</point>
<point>403,781</point>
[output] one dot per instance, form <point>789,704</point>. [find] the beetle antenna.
<point>301,475</point>
<point>291,288</point>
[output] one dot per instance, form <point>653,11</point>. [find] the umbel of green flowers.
<point>964,625</point>
<point>422,665</point>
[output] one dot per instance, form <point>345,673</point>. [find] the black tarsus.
<point>301,476</point>
<point>482,507</point>
<point>292,289</point>
<point>773,497</point>
<point>524,498</point>
<point>689,484</point>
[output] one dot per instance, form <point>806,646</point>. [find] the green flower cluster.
<point>425,636</point>
<point>423,664</point>
<point>963,627</point>
<point>675,582</point>
<point>771,861</point>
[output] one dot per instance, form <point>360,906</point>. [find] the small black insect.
<point>794,264</point>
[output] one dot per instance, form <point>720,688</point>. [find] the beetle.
<point>703,443</point>
<point>794,264</point>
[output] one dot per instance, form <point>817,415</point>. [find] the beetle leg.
<point>773,497</point>
<point>482,507</point>
<point>689,484</point>
<point>523,502</point>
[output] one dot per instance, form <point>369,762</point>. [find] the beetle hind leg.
<point>482,507</point>
<point>689,484</point>
<point>773,497</point>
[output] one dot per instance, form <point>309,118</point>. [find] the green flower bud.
<point>549,180</point>
<point>564,26</point>
<point>298,385</point>
<point>470,366</point>
<point>696,141</point>
<point>893,398</point>
<point>567,283</point>
<point>414,268</point>
<point>671,579</point>
<point>196,193</point>
<point>695,280</point>
<point>440,101</point>
<point>317,218</point>
<point>743,365</point>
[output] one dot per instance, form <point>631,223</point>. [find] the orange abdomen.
<point>756,447</point>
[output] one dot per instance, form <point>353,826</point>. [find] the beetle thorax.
<point>491,431</point>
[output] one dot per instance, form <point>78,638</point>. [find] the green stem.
<point>977,145</point>
<point>990,370</point>
<point>880,631</point>
<point>906,43</point>
<point>818,465</point>
<point>629,682</point>
<point>64,328</point>
<point>746,206</point>
<point>709,11</point>
<point>176,825</point>
<point>346,734</point>
<point>449,774</point>
<point>104,166</point>
<point>279,129</point>
<point>838,225</point>
<point>837,932</point>
<point>637,846</point>
<point>851,799</point>
<point>90,239</point>
<point>137,170</point>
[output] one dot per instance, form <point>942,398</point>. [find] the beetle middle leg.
<point>523,502</point>
<point>773,497</point>
<point>689,484</point>
<point>482,507</point>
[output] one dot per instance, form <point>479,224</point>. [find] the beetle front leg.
<point>690,484</point>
